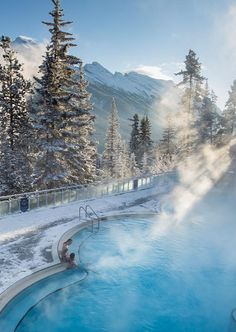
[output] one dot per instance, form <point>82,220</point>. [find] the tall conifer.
<point>15,128</point>
<point>145,141</point>
<point>135,136</point>
<point>230,112</point>
<point>191,82</point>
<point>61,113</point>
<point>113,145</point>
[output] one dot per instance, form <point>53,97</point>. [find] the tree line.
<point>196,122</point>
<point>47,125</point>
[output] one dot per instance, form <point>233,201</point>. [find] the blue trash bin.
<point>24,204</point>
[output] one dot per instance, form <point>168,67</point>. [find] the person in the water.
<point>71,262</point>
<point>65,251</point>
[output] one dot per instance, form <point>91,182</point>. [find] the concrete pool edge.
<point>12,291</point>
<point>55,267</point>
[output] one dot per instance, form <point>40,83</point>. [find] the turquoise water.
<point>144,275</point>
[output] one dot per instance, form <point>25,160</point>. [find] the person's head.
<point>72,256</point>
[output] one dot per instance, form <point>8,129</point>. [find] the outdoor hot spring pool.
<point>144,275</point>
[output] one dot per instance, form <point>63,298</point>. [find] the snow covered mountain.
<point>24,41</point>
<point>30,53</point>
<point>133,92</point>
<point>132,82</point>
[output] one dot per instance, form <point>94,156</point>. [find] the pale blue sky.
<point>153,35</point>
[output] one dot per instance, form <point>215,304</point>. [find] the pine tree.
<point>208,117</point>
<point>191,81</point>
<point>133,166</point>
<point>61,113</point>
<point>230,112</point>
<point>83,166</point>
<point>167,142</point>
<point>191,76</point>
<point>135,136</point>
<point>123,164</point>
<point>167,145</point>
<point>145,141</point>
<point>15,168</point>
<point>145,165</point>
<point>112,155</point>
<point>145,153</point>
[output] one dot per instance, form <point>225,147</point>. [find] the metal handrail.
<point>87,214</point>
<point>81,208</point>
<point>98,219</point>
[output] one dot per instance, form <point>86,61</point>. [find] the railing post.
<point>9,205</point>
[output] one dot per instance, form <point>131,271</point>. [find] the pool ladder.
<point>91,214</point>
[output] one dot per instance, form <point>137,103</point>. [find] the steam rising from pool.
<point>187,251</point>
<point>198,177</point>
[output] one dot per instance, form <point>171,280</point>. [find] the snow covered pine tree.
<point>209,119</point>
<point>145,144</point>
<point>134,136</point>
<point>230,113</point>
<point>112,155</point>
<point>191,82</point>
<point>61,114</point>
<point>15,169</point>
<point>167,145</point>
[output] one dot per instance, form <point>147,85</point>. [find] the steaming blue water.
<point>183,279</point>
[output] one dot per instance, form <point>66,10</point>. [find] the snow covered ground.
<point>26,239</point>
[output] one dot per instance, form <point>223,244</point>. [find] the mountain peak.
<point>97,73</point>
<point>96,67</point>
<point>132,82</point>
<point>24,40</point>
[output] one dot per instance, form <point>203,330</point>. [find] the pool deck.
<point>36,276</point>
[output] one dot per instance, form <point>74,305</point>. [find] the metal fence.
<point>61,196</point>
